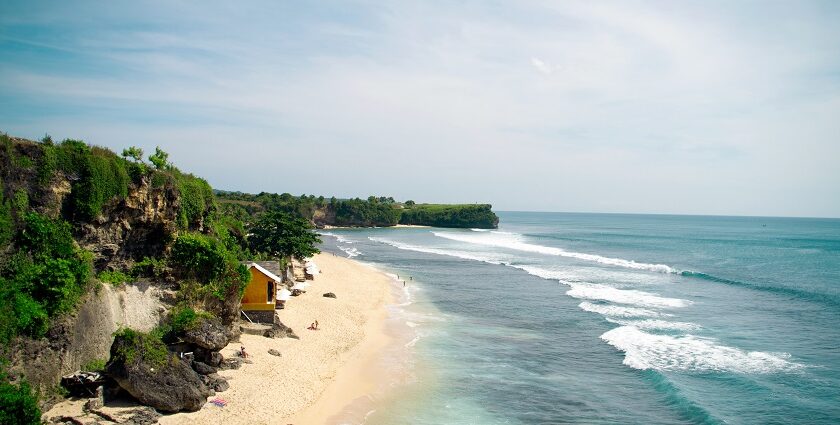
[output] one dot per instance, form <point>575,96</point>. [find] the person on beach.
<point>316,325</point>
<point>242,352</point>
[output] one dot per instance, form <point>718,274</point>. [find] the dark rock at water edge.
<point>167,384</point>
<point>330,295</point>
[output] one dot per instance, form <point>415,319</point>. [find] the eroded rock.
<point>143,367</point>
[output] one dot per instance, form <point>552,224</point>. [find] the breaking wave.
<point>655,324</point>
<point>458,254</point>
<point>619,311</point>
<point>513,241</point>
<point>591,291</point>
<point>689,353</point>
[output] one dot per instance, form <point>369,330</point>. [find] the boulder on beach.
<point>215,382</point>
<point>142,366</point>
<point>330,295</point>
<point>212,358</point>
<point>208,333</point>
<point>202,368</point>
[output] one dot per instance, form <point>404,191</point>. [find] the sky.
<point>683,107</point>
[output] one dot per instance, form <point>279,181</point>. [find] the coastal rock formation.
<point>212,358</point>
<point>203,368</point>
<point>134,227</point>
<point>86,334</point>
<point>215,382</point>
<point>330,295</point>
<point>155,378</point>
<point>208,333</point>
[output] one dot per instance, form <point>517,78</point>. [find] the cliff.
<point>70,212</point>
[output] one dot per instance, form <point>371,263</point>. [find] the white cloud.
<point>541,66</point>
<point>641,101</point>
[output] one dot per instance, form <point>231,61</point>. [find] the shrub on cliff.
<point>43,276</point>
<point>206,259</point>
<point>18,404</point>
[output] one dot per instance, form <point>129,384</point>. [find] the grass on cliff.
<point>140,346</point>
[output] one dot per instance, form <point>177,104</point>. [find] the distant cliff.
<point>370,212</point>
<point>478,216</point>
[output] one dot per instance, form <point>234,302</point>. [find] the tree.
<point>133,152</point>
<point>281,234</point>
<point>159,159</point>
<point>409,203</point>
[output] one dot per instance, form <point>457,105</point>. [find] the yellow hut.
<point>259,298</point>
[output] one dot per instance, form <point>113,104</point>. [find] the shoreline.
<point>324,371</point>
<point>328,376</point>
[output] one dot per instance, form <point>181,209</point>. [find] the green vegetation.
<point>281,234</point>
<point>95,365</point>
<point>18,403</point>
<point>468,215</point>
<point>197,200</point>
<point>140,346</point>
<point>373,211</point>
<point>115,277</point>
<point>159,159</point>
<point>185,318</point>
<point>44,276</point>
<point>149,267</point>
<point>206,259</point>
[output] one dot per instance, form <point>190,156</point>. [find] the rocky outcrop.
<point>208,333</point>
<point>166,384</point>
<point>87,334</point>
<point>330,295</point>
<point>134,227</point>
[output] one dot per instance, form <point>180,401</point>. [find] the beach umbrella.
<point>283,294</point>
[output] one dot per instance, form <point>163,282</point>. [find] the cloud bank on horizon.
<point>652,107</point>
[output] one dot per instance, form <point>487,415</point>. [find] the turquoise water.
<point>603,318</point>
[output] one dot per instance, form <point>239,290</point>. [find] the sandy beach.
<point>317,376</point>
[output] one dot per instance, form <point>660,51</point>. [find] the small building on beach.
<point>259,299</point>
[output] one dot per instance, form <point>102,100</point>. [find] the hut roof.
<point>264,270</point>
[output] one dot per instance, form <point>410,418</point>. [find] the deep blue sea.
<point>612,318</point>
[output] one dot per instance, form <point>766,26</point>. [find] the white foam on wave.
<point>561,275</point>
<point>514,241</point>
<point>657,324</point>
<point>350,251</point>
<point>338,238</point>
<point>591,291</point>
<point>689,353</point>
<point>451,253</point>
<point>619,311</point>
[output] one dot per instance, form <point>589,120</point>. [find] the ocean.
<point>612,319</point>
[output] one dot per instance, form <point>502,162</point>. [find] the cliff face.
<point>128,228</point>
<point>86,335</point>
<point>132,228</point>
<point>138,221</point>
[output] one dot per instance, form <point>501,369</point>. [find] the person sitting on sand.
<point>312,327</point>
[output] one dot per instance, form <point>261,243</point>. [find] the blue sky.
<point>650,107</point>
